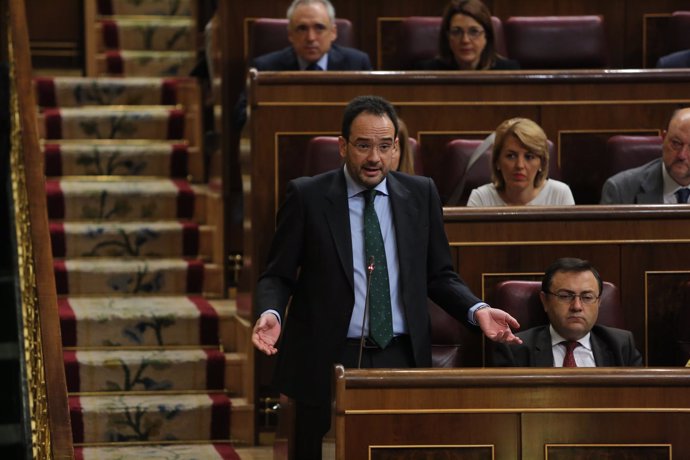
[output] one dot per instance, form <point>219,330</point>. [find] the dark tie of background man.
<point>380,316</point>
<point>682,195</point>
<point>313,66</point>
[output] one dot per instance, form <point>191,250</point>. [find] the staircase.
<point>157,362</point>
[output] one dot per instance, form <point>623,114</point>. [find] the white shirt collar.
<point>556,339</point>
<point>354,188</point>
<point>670,186</point>
<point>322,62</point>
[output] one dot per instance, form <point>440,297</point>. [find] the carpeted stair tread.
<point>125,200</point>
<point>165,452</point>
<point>144,370</point>
<point>147,8</point>
<point>150,417</point>
<point>117,276</point>
<point>81,91</point>
<point>146,63</point>
<point>113,122</point>
<point>140,321</point>
<point>88,159</point>
<point>161,33</point>
<point>149,239</point>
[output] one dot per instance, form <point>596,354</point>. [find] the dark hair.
<point>374,105</point>
<point>568,264</point>
<point>480,13</point>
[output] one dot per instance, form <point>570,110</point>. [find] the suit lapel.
<point>602,353</point>
<point>290,61</point>
<point>543,353</point>
<point>652,186</point>
<point>337,214</point>
<point>405,219</point>
<point>336,59</point>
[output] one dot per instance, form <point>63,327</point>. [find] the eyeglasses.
<point>304,29</point>
<point>587,298</point>
<point>365,148</point>
<point>473,33</point>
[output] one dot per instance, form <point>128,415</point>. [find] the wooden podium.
<point>496,414</point>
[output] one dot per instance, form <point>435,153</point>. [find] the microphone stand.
<point>370,270</point>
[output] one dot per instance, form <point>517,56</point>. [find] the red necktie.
<point>569,358</point>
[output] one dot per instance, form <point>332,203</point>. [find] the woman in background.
<point>403,157</point>
<point>466,41</point>
<point>519,170</point>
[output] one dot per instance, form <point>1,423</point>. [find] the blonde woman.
<point>519,169</point>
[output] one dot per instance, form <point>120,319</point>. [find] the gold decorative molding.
<point>31,340</point>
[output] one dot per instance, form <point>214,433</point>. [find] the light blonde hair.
<point>531,136</point>
<point>406,163</point>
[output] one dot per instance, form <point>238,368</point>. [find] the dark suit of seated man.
<point>311,31</point>
<point>664,180</point>
<point>571,293</point>
<point>677,60</point>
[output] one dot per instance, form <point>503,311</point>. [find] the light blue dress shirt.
<point>384,212</point>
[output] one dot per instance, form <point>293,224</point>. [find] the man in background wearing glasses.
<point>570,294</point>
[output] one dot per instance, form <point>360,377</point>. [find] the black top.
<point>442,64</point>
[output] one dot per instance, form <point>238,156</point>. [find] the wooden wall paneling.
<point>55,33</point>
<point>667,303</point>
<point>648,277</point>
<point>582,157</point>
<point>655,38</point>
<point>633,434</point>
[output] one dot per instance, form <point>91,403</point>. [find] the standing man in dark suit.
<point>570,293</point>
<point>664,180</point>
<point>311,31</point>
<point>320,262</point>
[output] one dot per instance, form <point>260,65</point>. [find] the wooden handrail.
<point>51,434</point>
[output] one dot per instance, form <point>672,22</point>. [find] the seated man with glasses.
<point>570,293</point>
<point>664,180</point>
<point>467,41</point>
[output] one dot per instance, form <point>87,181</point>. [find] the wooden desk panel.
<point>555,413</point>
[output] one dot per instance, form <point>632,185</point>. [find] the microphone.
<point>370,270</point>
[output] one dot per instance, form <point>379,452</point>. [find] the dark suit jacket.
<point>311,260</point>
<point>641,185</point>
<point>611,347</point>
<point>679,59</point>
<point>441,64</point>
<point>339,58</point>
